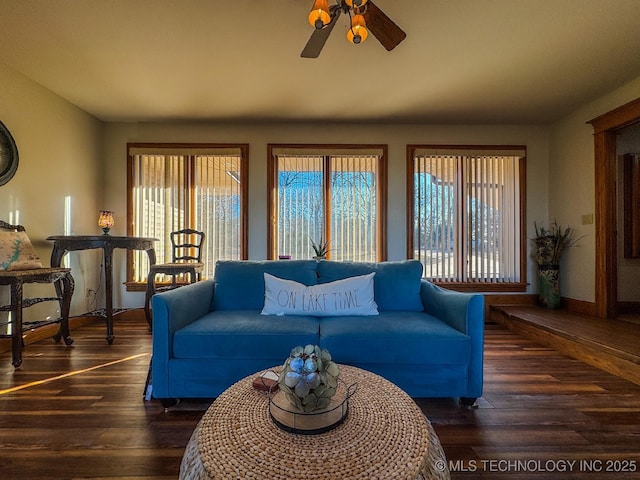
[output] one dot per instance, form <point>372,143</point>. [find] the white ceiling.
<point>464,61</point>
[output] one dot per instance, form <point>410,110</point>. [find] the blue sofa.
<point>210,334</point>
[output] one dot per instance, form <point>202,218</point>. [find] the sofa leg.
<point>167,403</point>
<point>468,402</point>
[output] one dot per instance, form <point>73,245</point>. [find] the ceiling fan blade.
<point>319,37</point>
<point>382,27</point>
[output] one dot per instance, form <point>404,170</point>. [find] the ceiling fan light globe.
<point>358,32</point>
<point>318,19</point>
<point>319,14</point>
<point>357,35</point>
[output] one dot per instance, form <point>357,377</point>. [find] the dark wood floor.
<point>541,410</point>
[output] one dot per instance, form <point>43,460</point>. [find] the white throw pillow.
<point>350,296</point>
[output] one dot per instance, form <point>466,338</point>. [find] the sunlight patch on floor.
<point>70,374</point>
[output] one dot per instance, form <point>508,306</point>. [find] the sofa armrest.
<point>465,313</point>
<point>172,310</point>
<point>462,311</point>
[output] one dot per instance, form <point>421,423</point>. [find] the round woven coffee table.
<point>384,436</point>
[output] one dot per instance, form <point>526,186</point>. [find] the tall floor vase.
<point>549,286</point>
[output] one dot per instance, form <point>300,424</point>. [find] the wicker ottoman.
<point>385,436</point>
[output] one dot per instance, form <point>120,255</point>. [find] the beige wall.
<point>258,136</point>
<point>59,149</point>
<point>572,188</point>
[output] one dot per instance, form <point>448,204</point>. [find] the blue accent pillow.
<point>396,284</point>
<point>239,284</point>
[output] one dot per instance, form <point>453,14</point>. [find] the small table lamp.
<point>105,221</point>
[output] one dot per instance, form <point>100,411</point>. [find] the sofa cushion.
<point>240,284</point>
<point>396,284</point>
<point>350,296</point>
<point>396,338</point>
<point>242,334</point>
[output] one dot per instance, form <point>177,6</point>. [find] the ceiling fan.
<point>365,17</point>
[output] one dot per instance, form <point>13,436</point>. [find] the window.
<point>335,193</point>
<point>199,186</point>
<point>465,215</point>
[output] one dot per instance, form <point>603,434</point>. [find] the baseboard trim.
<point>580,306</point>
<point>491,299</point>
<point>571,304</point>
<point>627,308</point>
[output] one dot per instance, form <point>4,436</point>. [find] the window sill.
<point>482,286</point>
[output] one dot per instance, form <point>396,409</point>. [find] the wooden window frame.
<point>471,286</point>
<point>381,191</point>
<point>190,191</point>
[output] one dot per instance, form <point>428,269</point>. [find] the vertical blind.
<point>354,208</point>
<point>330,197</point>
<point>301,213</point>
<point>171,191</point>
<point>467,216</point>
<point>217,207</point>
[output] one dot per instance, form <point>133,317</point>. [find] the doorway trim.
<point>605,129</point>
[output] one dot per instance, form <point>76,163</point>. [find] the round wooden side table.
<point>384,436</point>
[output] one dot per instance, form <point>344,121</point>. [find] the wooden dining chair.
<point>186,248</point>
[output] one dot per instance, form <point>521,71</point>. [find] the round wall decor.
<point>8,155</point>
